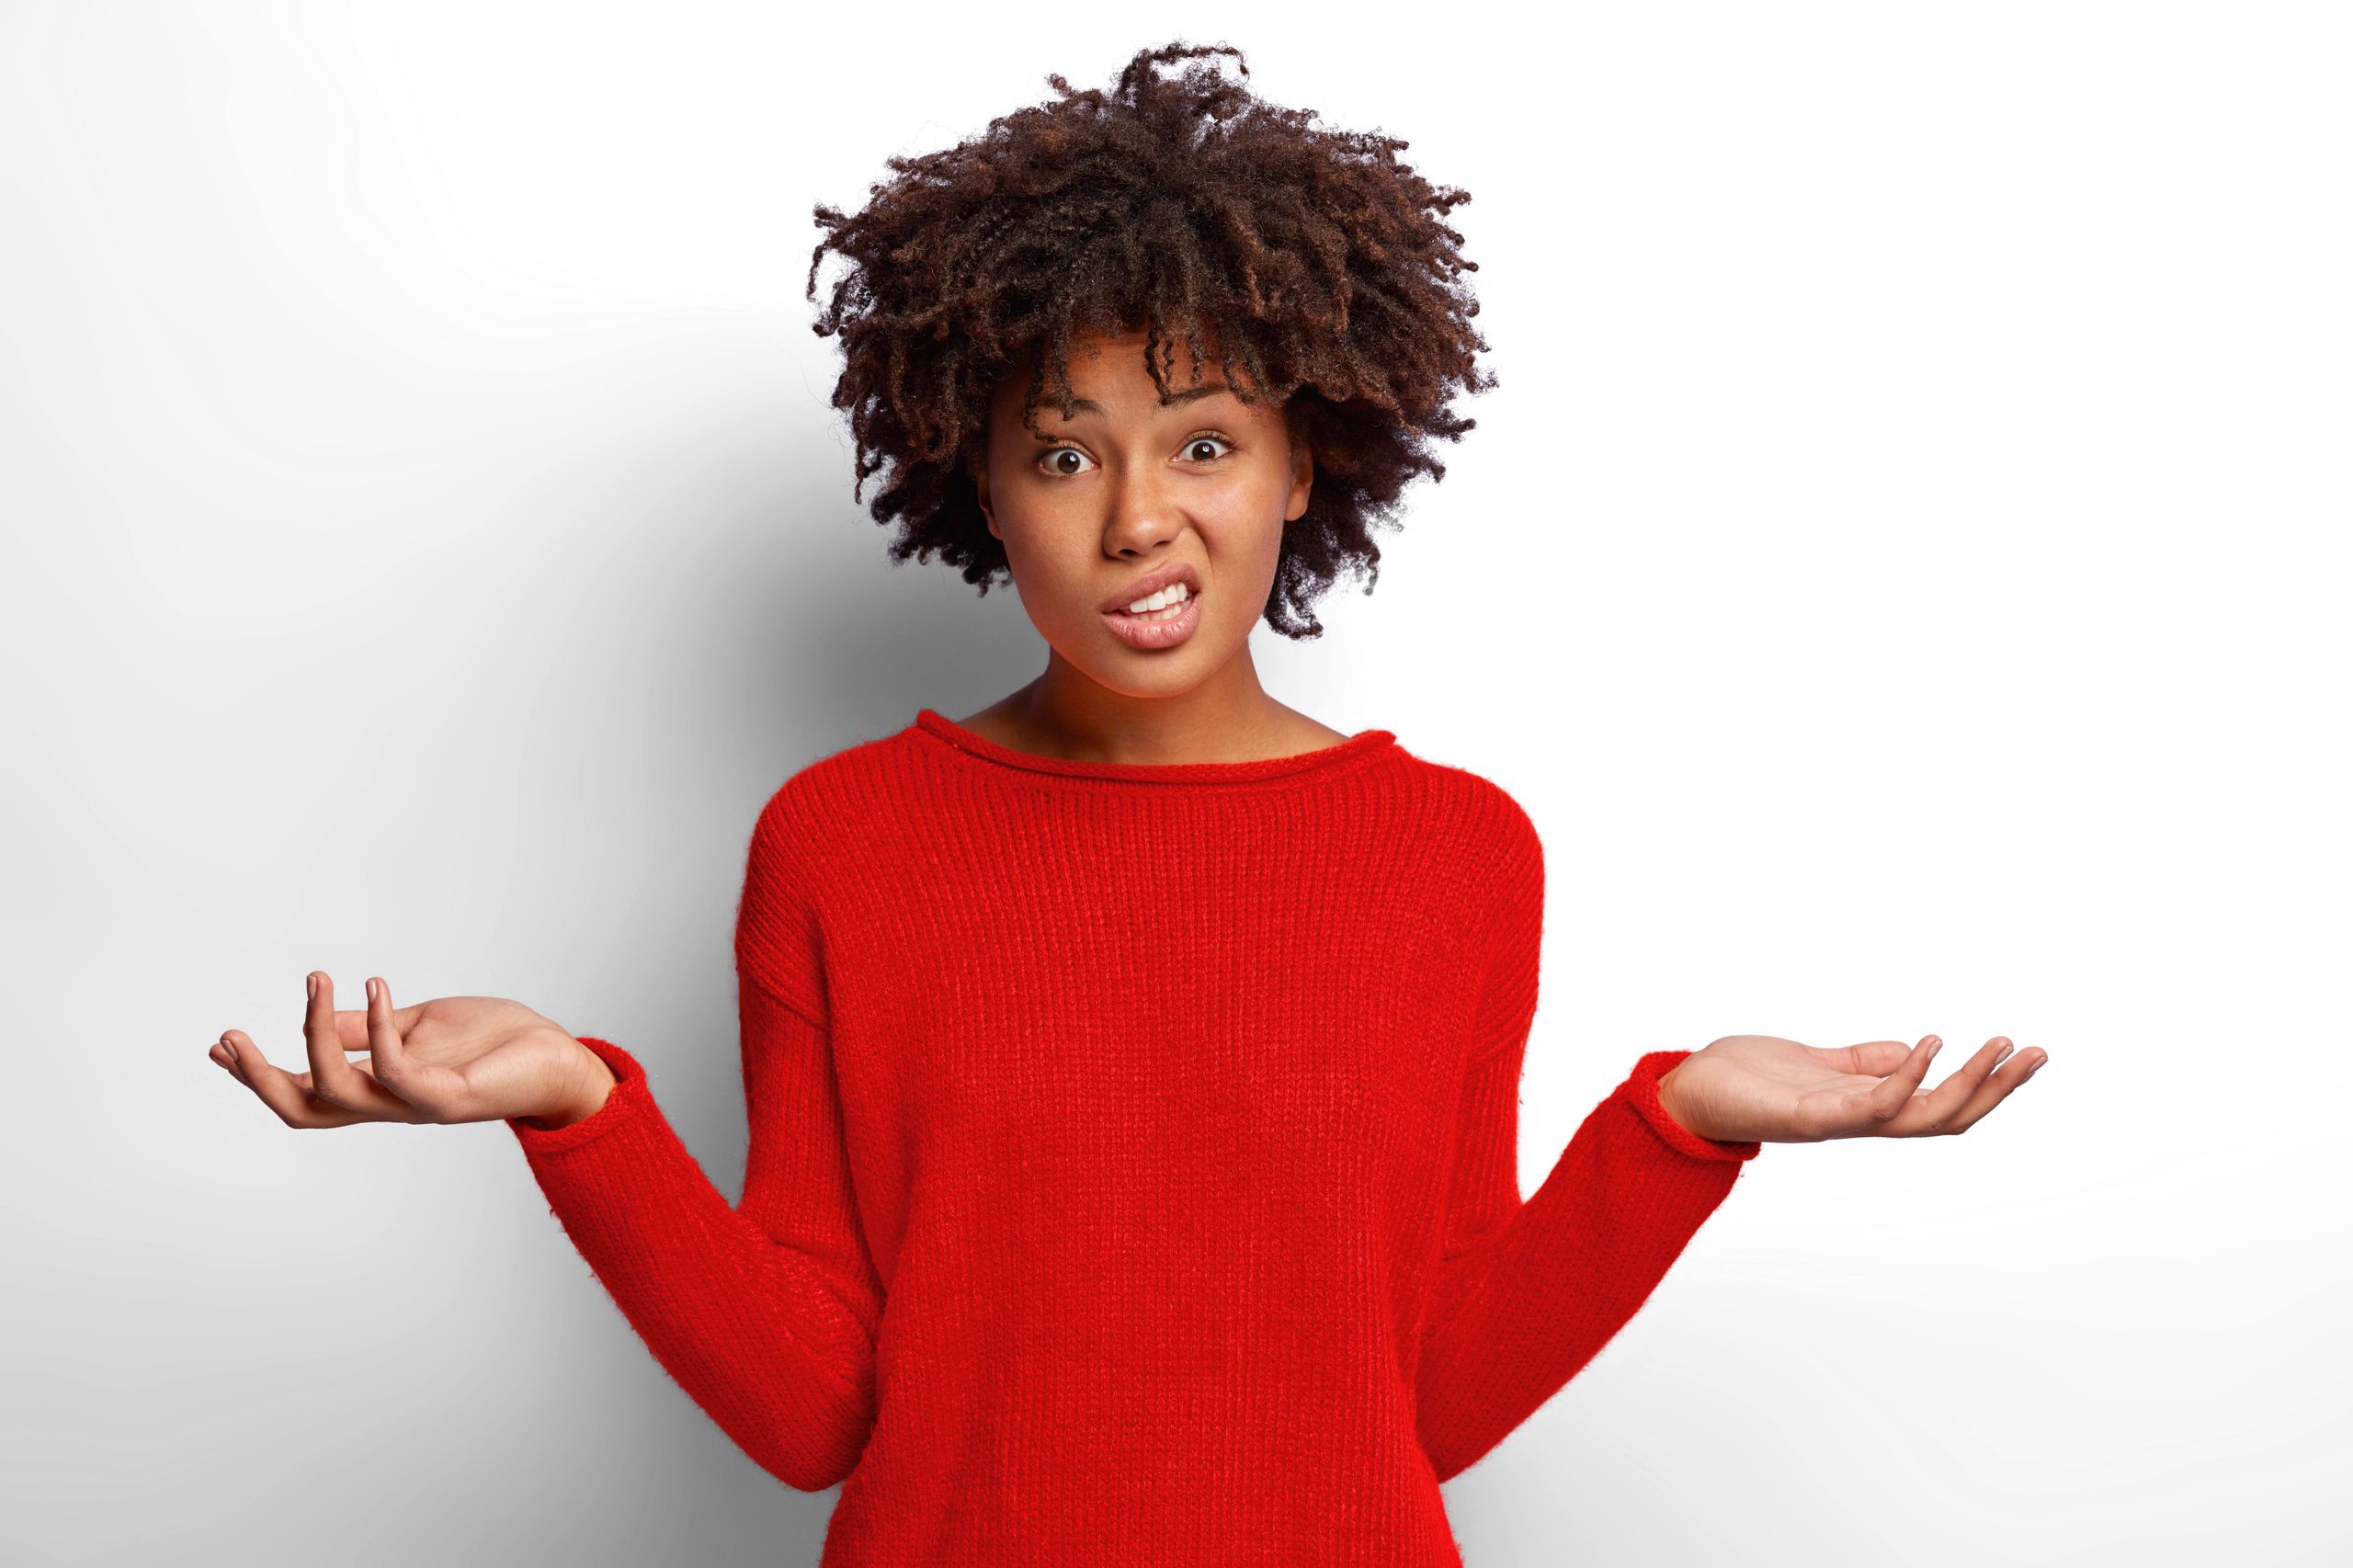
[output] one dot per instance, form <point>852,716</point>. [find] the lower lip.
<point>1156,633</point>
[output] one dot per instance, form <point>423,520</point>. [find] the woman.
<point>1132,1064</point>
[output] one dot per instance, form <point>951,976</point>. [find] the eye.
<point>1051,459</point>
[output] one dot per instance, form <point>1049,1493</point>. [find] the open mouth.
<point>1162,626</point>
<point>1172,602</point>
<point>1165,612</point>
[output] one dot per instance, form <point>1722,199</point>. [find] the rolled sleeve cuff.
<point>620,1106</point>
<point>1641,1091</point>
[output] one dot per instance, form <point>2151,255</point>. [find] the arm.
<point>765,1313</point>
<point>1527,1292</point>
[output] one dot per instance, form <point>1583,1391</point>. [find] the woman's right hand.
<point>450,1059</point>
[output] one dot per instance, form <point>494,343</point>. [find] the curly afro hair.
<point>1311,259</point>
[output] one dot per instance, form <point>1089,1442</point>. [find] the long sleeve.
<point>764,1312</point>
<point>1527,1293</point>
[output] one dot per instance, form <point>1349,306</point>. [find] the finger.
<point>229,1058</point>
<point>397,1075</point>
<point>1871,1058</point>
<point>351,1024</point>
<point>332,1077</point>
<point>343,1084</point>
<point>331,1074</point>
<point>1855,1111</point>
<point>1995,1089</point>
<point>1896,1090</point>
<point>294,1102</point>
<point>302,1082</point>
<point>1930,1114</point>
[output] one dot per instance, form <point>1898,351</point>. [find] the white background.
<point>1903,571</point>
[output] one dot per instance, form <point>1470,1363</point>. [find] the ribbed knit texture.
<point>1133,1174</point>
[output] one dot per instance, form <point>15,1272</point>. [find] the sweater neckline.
<point>1359,747</point>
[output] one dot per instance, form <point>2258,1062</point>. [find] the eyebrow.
<point>1186,394</point>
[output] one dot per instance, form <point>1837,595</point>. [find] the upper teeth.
<point>1175,593</point>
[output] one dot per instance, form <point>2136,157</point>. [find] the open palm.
<point>1754,1086</point>
<point>452,1058</point>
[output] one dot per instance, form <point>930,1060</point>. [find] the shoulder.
<point>838,786</point>
<point>1478,814</point>
<point>804,828</point>
<point>1504,915</point>
<point>835,799</point>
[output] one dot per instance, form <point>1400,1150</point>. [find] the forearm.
<point>1522,1310</point>
<point>762,1336</point>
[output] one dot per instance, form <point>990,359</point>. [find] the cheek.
<point>1244,532</point>
<point>1050,561</point>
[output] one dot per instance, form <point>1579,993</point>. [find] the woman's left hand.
<point>1757,1086</point>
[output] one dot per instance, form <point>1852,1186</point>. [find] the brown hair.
<point>1311,259</point>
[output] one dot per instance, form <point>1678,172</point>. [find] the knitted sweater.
<point>1132,1172</point>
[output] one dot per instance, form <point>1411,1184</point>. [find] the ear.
<point>976,464</point>
<point>1303,480</point>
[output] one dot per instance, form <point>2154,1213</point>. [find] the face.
<point>1127,486</point>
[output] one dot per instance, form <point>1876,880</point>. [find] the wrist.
<point>594,1083</point>
<point>1655,1090</point>
<point>1666,1099</point>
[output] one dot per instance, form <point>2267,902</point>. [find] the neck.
<point>1067,713</point>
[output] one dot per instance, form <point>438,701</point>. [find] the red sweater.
<point>1132,1172</point>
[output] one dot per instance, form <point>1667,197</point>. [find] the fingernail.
<point>311,983</point>
<point>1934,1042</point>
<point>371,990</point>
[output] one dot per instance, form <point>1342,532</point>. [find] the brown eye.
<point>1197,442</point>
<point>1053,458</point>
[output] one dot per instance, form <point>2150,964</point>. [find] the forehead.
<point>1110,369</point>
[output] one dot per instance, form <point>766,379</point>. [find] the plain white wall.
<point>1902,571</point>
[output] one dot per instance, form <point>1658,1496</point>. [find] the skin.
<point>1211,481</point>
<point>450,1059</point>
<point>1777,1091</point>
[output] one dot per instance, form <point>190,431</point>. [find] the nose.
<point>1143,511</point>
